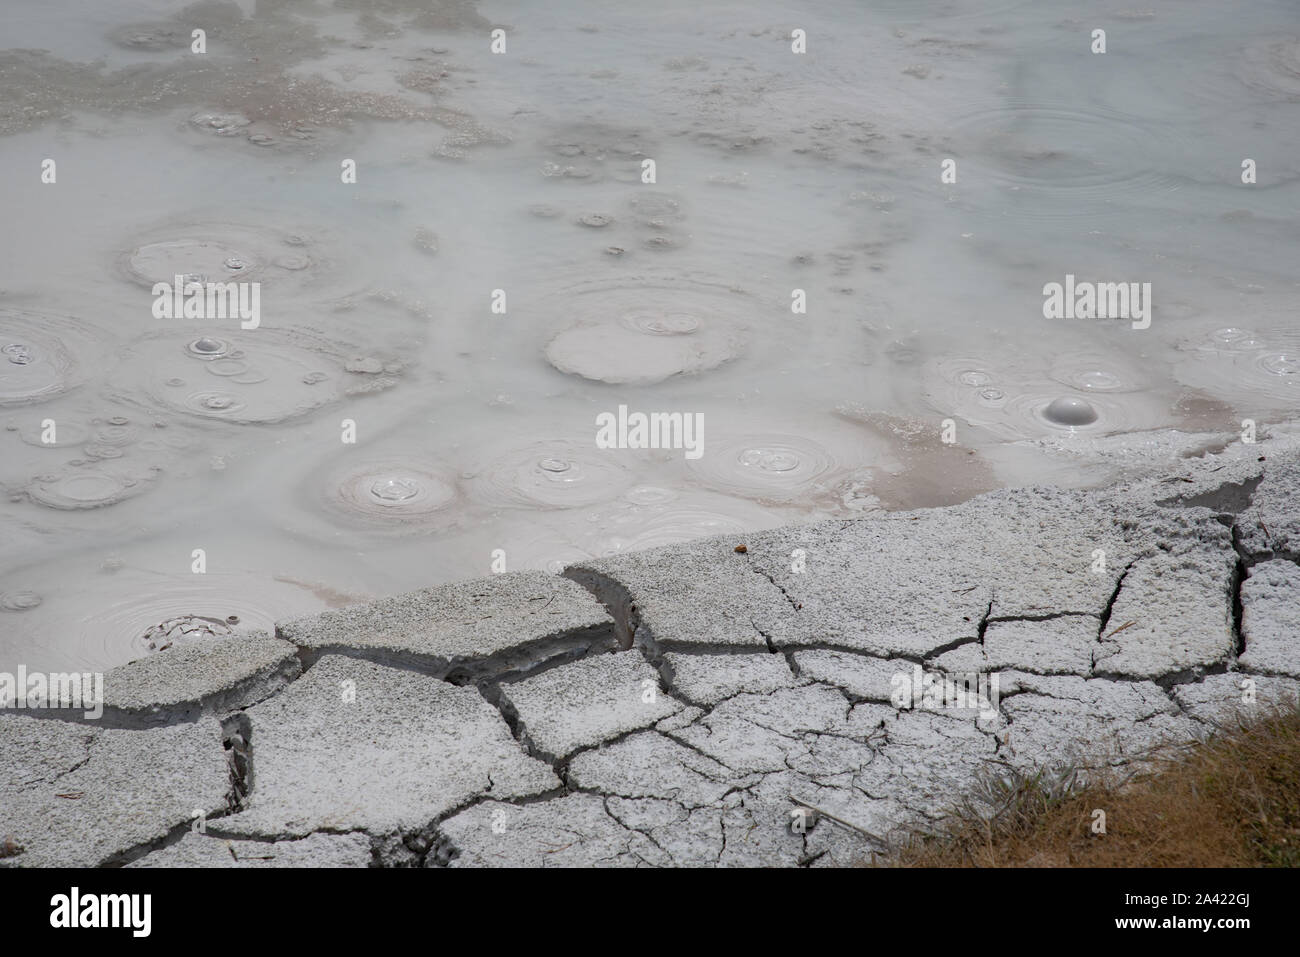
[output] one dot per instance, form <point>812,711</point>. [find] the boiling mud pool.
<point>179,444</point>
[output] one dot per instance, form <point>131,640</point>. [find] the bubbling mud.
<point>257,377</point>
<point>1252,370</point>
<point>96,614</point>
<point>554,474</point>
<point>1070,411</point>
<point>593,152</point>
<point>768,467</point>
<point>217,252</point>
<point>43,356</point>
<point>1014,396</point>
<point>89,486</point>
<point>648,331</point>
<point>1066,162</point>
<point>402,495</point>
<point>186,629</point>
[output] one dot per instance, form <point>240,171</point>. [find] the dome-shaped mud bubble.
<point>1071,411</point>
<point>1020,396</point>
<point>261,376</point>
<point>640,331</point>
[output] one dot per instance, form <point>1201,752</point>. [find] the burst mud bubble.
<point>227,252</point>
<point>402,495</point>
<point>185,629</point>
<point>258,377</point>
<point>555,474</point>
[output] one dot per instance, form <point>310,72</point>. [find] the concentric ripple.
<point>644,332</point>
<point>1252,370</point>
<point>1012,397</point>
<point>256,377</point>
<point>767,467</point>
<point>558,474</point>
<point>399,494</point>
<point>1067,161</point>
<point>89,486</point>
<point>187,629</point>
<point>42,356</point>
<point>94,618</point>
<point>1095,372</point>
<point>224,252</point>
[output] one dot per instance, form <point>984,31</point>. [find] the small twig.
<point>838,820</point>
<point>1127,624</point>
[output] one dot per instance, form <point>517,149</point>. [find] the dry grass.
<point>1231,801</point>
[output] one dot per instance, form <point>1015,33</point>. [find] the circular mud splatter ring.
<point>186,629</point>
<point>399,495</point>
<point>645,332</point>
<point>557,474</point>
<point>257,377</point>
<point>1015,397</point>
<point>767,467</point>
<point>43,356</point>
<point>1067,163</point>
<point>22,600</point>
<point>1253,369</point>
<point>86,487</point>
<point>215,252</point>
